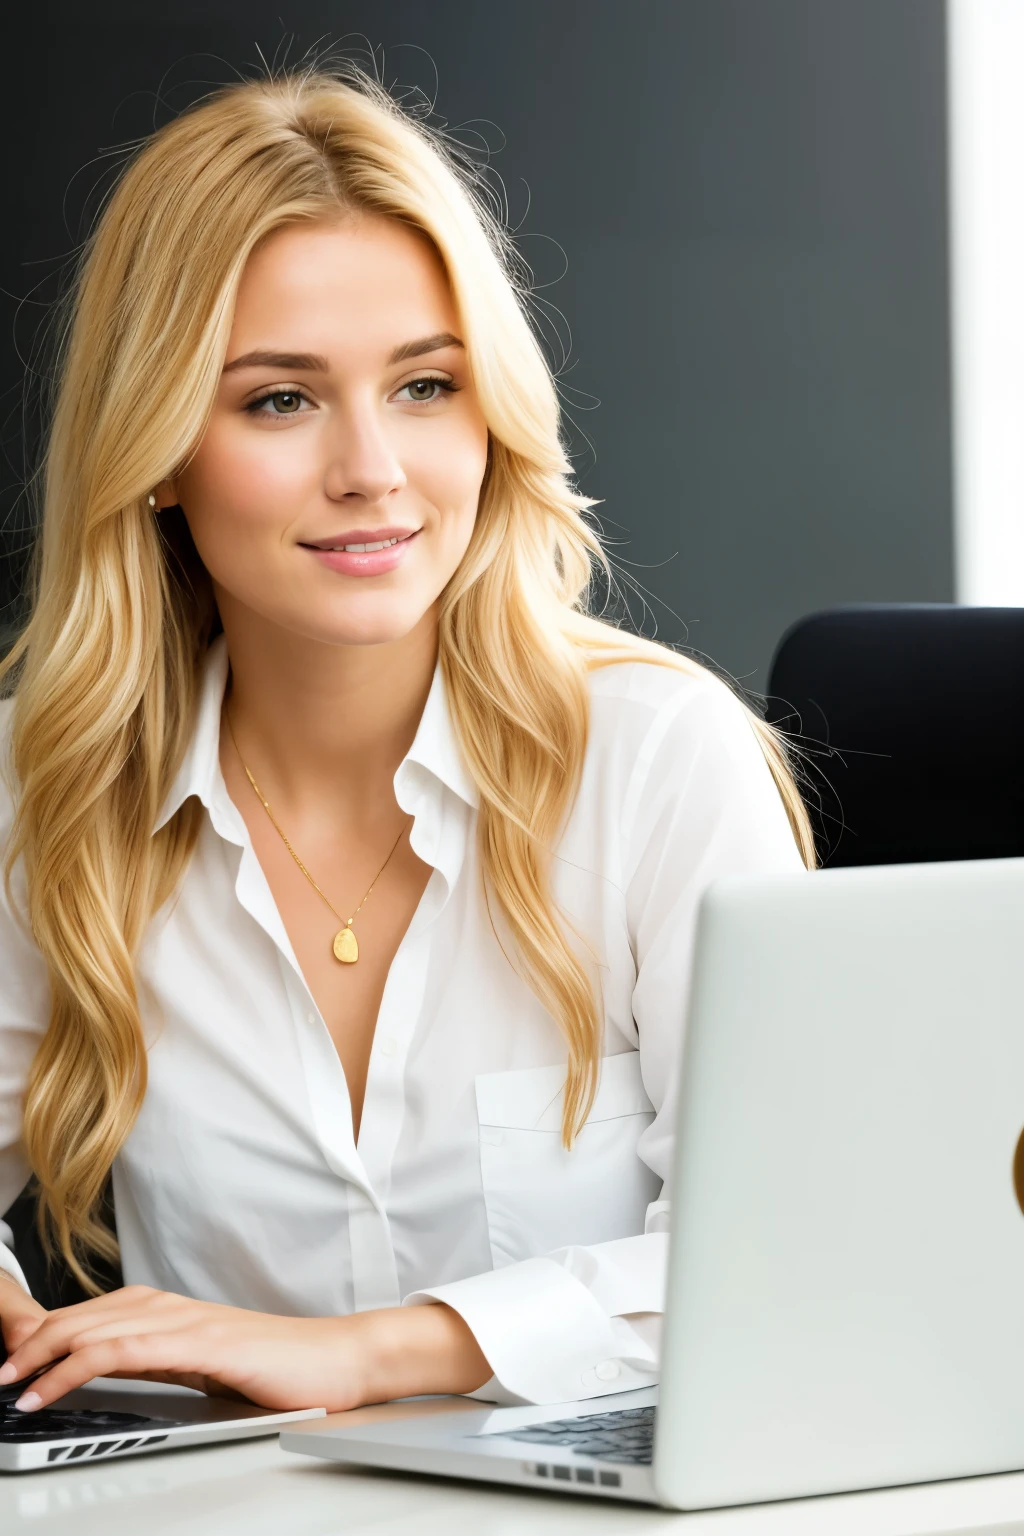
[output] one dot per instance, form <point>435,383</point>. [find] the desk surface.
<point>256,1489</point>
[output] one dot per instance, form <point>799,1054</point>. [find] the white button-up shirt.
<point>241,1181</point>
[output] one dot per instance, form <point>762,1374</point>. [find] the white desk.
<point>255,1489</point>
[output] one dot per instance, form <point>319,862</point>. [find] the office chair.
<point>912,718</point>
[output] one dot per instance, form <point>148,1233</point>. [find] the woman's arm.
<point>699,804</point>
<point>278,1362</point>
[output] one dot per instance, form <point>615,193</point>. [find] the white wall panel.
<point>986,139</point>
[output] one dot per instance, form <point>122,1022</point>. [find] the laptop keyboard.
<point>625,1435</point>
<point>78,1424</point>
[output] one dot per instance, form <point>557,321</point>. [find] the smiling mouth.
<point>359,549</point>
<point>364,548</point>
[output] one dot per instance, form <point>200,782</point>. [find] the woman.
<point>352,868</point>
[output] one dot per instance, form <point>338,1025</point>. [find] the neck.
<point>317,720</point>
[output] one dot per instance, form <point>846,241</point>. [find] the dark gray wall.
<point>750,198</point>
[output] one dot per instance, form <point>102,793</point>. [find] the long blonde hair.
<point>105,674</point>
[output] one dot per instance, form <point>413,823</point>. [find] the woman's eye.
<point>289,402</point>
<point>286,403</point>
<point>422,391</point>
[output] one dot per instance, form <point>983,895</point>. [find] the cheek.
<point>243,480</point>
<point>447,470</point>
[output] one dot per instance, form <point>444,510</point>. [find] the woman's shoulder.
<point>674,729</point>
<point>634,697</point>
<point>674,752</point>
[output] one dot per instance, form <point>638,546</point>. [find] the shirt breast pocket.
<point>539,1196</point>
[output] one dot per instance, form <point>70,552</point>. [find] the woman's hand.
<point>20,1316</point>
<point>278,1362</point>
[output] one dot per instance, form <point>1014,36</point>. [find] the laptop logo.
<point>1018,1172</point>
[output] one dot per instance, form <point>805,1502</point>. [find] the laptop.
<point>845,1293</point>
<point>127,1418</point>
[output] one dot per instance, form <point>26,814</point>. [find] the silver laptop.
<point>128,1418</point>
<point>846,1280</point>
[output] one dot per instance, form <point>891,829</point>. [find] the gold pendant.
<point>345,947</point>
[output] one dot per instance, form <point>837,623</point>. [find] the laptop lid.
<point>846,1287</point>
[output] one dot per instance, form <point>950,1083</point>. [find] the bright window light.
<point>986,144</point>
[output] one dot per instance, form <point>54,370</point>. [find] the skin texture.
<point>329,674</point>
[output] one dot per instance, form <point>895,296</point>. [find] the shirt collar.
<point>435,747</point>
<point>200,767</point>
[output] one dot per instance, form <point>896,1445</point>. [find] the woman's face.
<point>336,487</point>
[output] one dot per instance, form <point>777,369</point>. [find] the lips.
<point>364,551</point>
<point>359,541</point>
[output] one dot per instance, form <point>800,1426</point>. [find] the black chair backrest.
<point>913,716</point>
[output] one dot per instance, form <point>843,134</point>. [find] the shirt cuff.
<point>545,1336</point>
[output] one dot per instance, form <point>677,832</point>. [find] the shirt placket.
<point>438,836</point>
<point>324,1076</point>
<point>375,1281</point>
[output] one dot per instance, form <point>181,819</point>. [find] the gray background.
<point>747,200</point>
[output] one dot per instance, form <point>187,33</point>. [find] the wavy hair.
<point>105,674</point>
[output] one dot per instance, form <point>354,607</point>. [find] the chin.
<point>369,628</point>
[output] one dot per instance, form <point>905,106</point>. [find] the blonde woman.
<point>351,867</point>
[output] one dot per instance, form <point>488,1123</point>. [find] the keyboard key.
<point>79,1424</point>
<point>625,1435</point>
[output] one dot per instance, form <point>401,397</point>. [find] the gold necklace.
<point>345,947</point>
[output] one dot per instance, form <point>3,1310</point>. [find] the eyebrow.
<point>426,344</point>
<point>315,362</point>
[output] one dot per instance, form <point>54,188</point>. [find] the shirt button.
<point>607,1370</point>
<point>310,1018</point>
<point>388,1047</point>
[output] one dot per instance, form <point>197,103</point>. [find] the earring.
<point>151,499</point>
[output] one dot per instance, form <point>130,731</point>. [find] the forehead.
<point>361,284</point>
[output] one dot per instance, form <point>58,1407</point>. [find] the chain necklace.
<point>345,947</point>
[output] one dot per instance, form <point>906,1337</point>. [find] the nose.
<point>363,463</point>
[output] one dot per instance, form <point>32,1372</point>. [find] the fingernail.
<point>28,1402</point>
<point>7,1373</point>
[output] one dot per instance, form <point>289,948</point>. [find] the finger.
<point>50,1341</point>
<point>126,1298</point>
<point>131,1356</point>
<point>69,1328</point>
<point>67,1340</point>
<point>40,1346</point>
